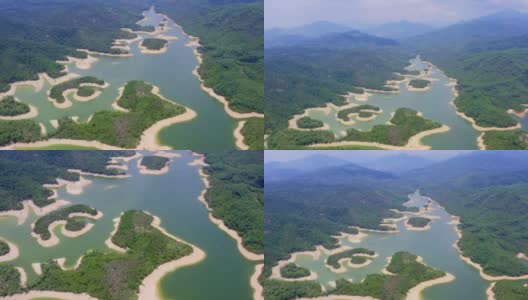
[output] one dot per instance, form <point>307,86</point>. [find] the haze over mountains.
<point>501,25</point>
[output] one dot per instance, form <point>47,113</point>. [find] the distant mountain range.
<point>322,32</point>
<point>400,30</point>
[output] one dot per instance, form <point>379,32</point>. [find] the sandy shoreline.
<point>49,294</point>
<point>149,138</point>
<point>149,288</point>
<point>70,142</point>
<point>415,292</point>
<point>239,137</point>
<point>108,241</point>
<point>480,142</point>
<point>480,128</point>
<point>22,214</point>
<point>258,289</point>
<point>232,233</point>
<point>12,254</point>
<point>489,291</point>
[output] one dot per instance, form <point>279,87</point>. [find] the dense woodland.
<point>236,195</point>
<point>232,37</point>
<point>122,129</point>
<point>10,107</point>
<point>24,172</point>
<point>4,248</point>
<point>309,123</point>
<point>116,275</point>
<point>36,34</point>
<point>298,78</point>
<point>511,290</point>
<point>253,132</point>
<point>154,162</point>
<point>292,270</point>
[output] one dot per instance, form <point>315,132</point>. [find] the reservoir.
<point>223,274</point>
<point>434,245</point>
<point>434,103</point>
<point>212,129</point>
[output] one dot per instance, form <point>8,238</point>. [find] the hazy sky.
<point>364,13</point>
<point>357,155</point>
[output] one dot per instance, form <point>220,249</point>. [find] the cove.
<point>434,245</point>
<point>434,103</point>
<point>212,129</point>
<point>223,274</point>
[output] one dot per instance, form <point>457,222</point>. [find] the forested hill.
<point>488,190</point>
<point>297,78</point>
<point>22,173</point>
<point>232,35</point>
<point>487,57</point>
<point>306,209</point>
<point>236,195</point>
<point>37,33</point>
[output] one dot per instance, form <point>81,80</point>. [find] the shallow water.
<point>224,274</point>
<point>170,71</point>
<point>433,103</point>
<point>434,245</point>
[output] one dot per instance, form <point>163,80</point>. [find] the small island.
<point>142,107</point>
<point>419,84</point>
<point>309,123</point>
<point>333,260</point>
<point>9,107</point>
<point>292,270</point>
<point>154,45</point>
<point>405,124</point>
<point>363,111</point>
<point>67,216</point>
<point>85,91</point>
<point>405,270</point>
<point>86,83</point>
<point>154,162</point>
<point>418,223</point>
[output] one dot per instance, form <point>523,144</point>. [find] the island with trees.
<point>42,226</point>
<point>333,260</point>
<point>10,107</point>
<point>154,43</point>
<point>153,162</point>
<point>419,222</point>
<point>363,111</point>
<point>292,270</point>
<point>57,91</point>
<point>309,123</point>
<point>123,129</point>
<point>419,84</point>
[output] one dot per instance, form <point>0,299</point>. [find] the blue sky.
<point>357,155</point>
<point>364,13</point>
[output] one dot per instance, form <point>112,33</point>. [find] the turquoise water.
<point>224,274</point>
